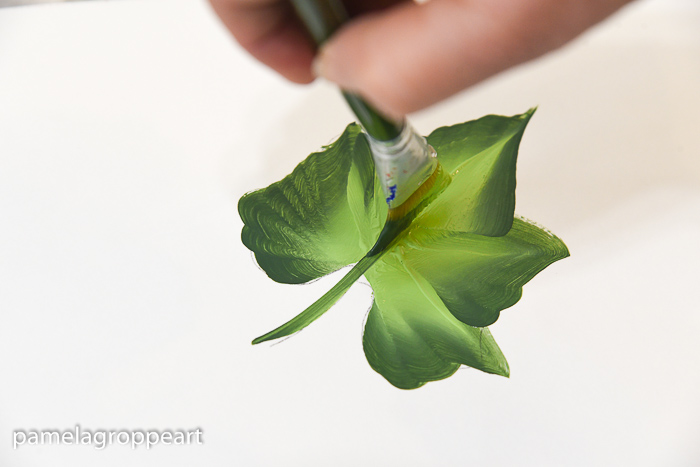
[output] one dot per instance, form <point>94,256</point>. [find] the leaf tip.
<point>505,371</point>
<point>565,253</point>
<point>501,368</point>
<point>264,338</point>
<point>527,115</point>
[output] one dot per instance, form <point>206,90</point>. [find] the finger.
<point>358,7</point>
<point>270,32</point>
<point>414,55</point>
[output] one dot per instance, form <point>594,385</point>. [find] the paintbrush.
<point>403,160</point>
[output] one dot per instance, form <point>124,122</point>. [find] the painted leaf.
<point>440,274</point>
<point>410,337</point>
<point>480,155</point>
<point>323,216</point>
<point>477,276</point>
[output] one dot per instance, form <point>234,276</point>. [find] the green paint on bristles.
<point>400,217</point>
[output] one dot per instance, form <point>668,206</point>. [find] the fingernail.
<point>317,66</point>
<point>325,66</point>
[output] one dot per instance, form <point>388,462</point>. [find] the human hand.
<point>403,56</point>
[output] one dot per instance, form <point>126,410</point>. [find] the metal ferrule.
<point>402,164</point>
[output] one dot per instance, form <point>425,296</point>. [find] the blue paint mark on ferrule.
<point>392,195</point>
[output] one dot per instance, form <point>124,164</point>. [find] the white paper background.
<point>128,131</point>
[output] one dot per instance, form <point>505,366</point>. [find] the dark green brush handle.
<point>322,18</point>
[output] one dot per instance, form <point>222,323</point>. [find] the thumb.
<point>414,55</point>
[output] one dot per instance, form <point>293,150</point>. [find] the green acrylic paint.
<point>442,266</point>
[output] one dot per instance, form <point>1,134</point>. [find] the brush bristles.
<point>414,200</point>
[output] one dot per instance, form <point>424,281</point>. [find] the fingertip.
<point>317,67</point>
<point>298,73</point>
<point>338,63</point>
<point>270,32</point>
<point>288,52</point>
<point>371,58</point>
